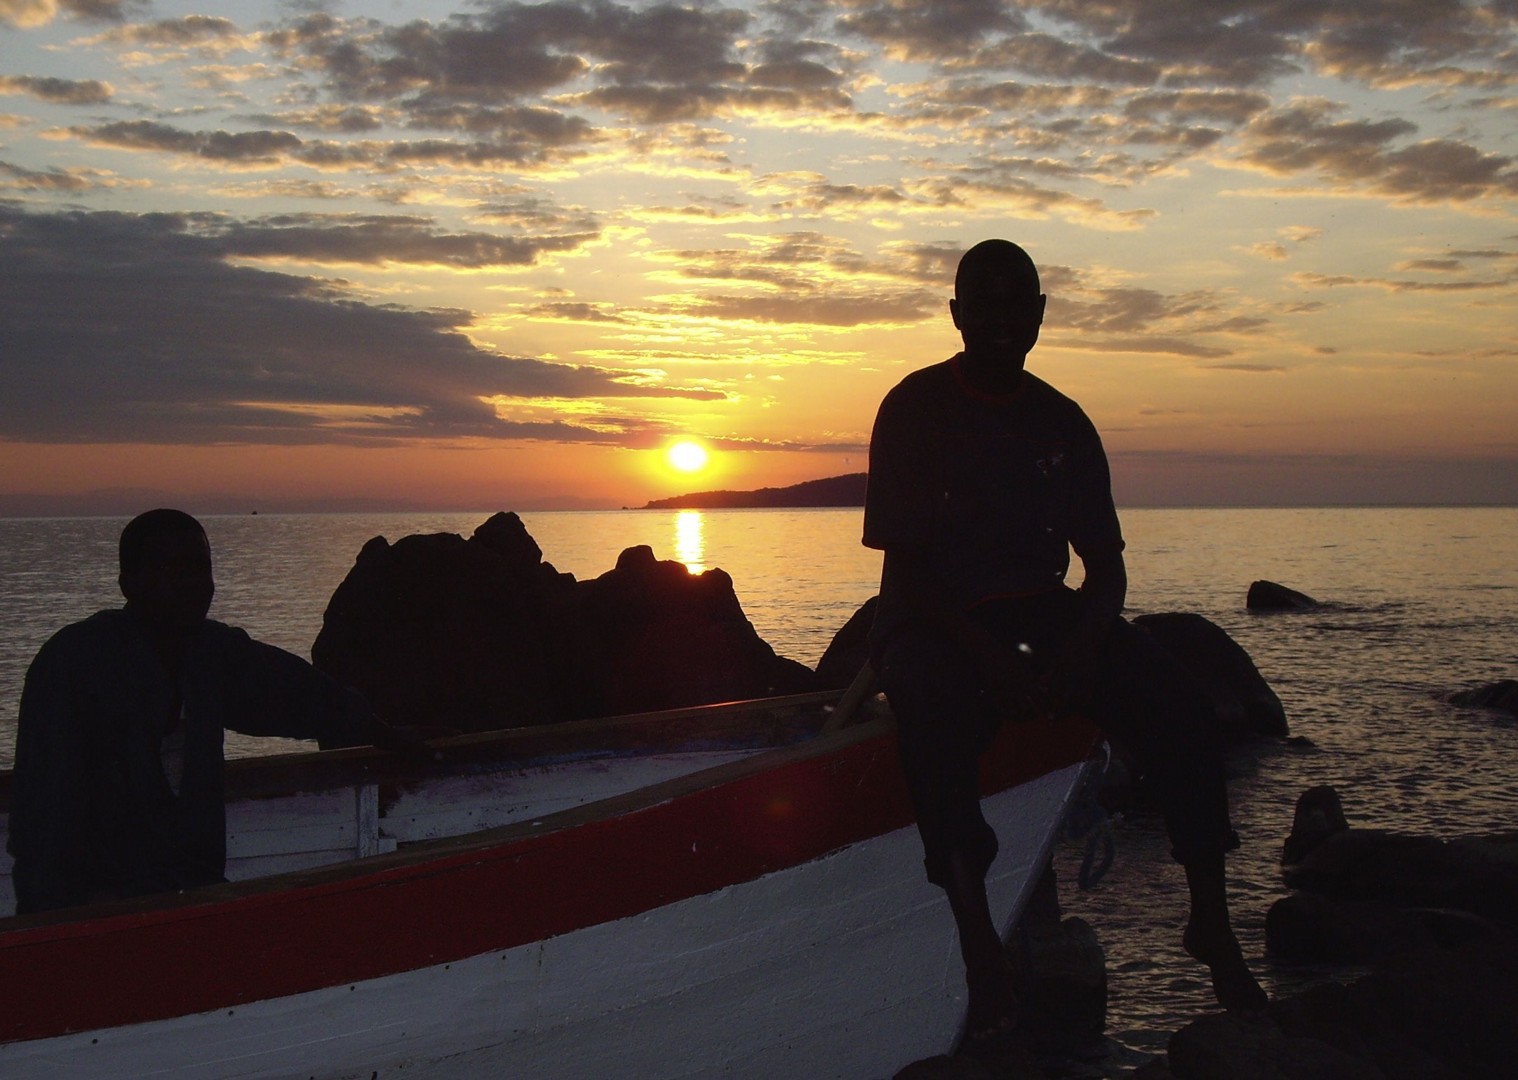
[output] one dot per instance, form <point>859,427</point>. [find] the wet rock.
<point>1242,700</point>
<point>1268,596</point>
<point>1498,695</point>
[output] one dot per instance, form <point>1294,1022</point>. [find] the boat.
<point>731,890</point>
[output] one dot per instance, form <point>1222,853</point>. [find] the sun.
<point>686,456</point>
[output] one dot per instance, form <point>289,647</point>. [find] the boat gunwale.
<point>347,767</point>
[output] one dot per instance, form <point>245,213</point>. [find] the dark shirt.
<point>993,491</point>
<point>95,815</point>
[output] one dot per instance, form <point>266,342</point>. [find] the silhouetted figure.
<point>982,479</point>
<point>117,787</point>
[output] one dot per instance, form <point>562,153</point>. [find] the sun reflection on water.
<point>690,540</point>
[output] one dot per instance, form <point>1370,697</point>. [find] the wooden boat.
<point>732,890</point>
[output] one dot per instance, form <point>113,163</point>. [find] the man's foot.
<point>1232,982</point>
<point>992,1014</point>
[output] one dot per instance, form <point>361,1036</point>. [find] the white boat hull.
<point>761,979</point>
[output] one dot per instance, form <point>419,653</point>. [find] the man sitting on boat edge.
<point>118,780</point>
<point>982,478</point>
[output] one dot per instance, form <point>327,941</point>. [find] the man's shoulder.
<point>100,627</point>
<point>923,378</point>
<point>1048,401</point>
<point>924,382</point>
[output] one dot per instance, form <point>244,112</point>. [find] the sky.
<point>435,254</point>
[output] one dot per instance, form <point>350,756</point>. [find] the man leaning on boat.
<point>118,786</point>
<point>982,479</point>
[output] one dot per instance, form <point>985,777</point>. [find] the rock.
<point>1319,814</point>
<point>1498,695</point>
<point>958,1067</point>
<point>651,635</point>
<point>1227,1047</point>
<point>849,650</point>
<point>439,632</point>
<point>1243,701</point>
<point>1309,928</point>
<point>1065,1003</point>
<point>1431,1013</point>
<point>1324,855</point>
<point>1268,596</point>
<point>443,633</point>
<point>1317,929</point>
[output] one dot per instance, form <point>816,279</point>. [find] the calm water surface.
<point>1417,602</point>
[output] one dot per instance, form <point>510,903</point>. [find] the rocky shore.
<point>1414,939</point>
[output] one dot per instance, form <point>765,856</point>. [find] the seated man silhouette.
<point>117,789</point>
<point>982,479</point>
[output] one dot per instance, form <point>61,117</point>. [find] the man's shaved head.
<point>997,257</point>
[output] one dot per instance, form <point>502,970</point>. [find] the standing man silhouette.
<point>982,479</point>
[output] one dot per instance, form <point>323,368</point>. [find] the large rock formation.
<point>651,635</point>
<point>1242,701</point>
<point>439,632</point>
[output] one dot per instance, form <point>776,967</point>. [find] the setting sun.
<point>686,456</point>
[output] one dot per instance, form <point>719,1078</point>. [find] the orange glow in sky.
<point>246,264</point>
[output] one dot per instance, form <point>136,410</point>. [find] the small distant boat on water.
<point>730,890</point>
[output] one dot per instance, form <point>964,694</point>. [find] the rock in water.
<point>1268,596</point>
<point>1242,700</point>
<point>441,632</point>
<point>1498,695</point>
<point>651,635</point>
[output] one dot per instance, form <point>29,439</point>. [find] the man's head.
<point>166,569</point>
<point>997,305</point>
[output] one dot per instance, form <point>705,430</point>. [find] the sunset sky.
<point>455,255</point>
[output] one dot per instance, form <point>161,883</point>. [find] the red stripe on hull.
<point>411,912</point>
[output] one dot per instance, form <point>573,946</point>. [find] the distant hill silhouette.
<point>833,491</point>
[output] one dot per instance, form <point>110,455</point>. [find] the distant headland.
<point>832,491</point>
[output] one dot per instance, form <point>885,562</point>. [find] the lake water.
<point>1417,602</point>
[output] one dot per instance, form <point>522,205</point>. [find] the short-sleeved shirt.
<point>95,812</point>
<point>993,490</point>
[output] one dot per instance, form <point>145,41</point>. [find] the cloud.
<point>137,328</point>
<point>43,180</point>
<point>30,14</point>
<point>929,29</point>
<point>57,91</point>
<point>518,136</point>
<point>1304,137</point>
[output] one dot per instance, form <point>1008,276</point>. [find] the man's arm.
<point>275,692</point>
<point>1102,596</point>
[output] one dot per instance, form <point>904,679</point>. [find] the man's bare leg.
<point>988,975</point>
<point>1209,938</point>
